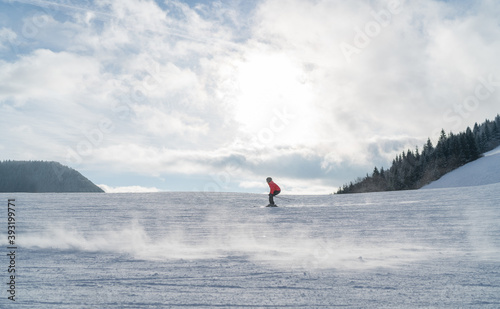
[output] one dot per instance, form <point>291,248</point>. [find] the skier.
<point>275,190</point>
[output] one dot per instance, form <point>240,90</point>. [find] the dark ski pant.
<point>272,195</point>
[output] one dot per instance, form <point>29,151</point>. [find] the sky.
<point>218,95</point>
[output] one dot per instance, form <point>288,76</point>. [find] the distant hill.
<point>42,176</point>
<point>414,169</point>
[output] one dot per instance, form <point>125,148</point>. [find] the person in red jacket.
<point>275,190</point>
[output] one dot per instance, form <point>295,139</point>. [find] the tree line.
<point>414,169</point>
<point>42,176</point>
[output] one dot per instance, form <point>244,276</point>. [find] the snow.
<point>406,249</point>
<point>484,171</point>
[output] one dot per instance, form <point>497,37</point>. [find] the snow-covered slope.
<point>404,249</point>
<point>483,171</point>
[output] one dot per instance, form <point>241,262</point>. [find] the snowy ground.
<point>483,171</point>
<point>425,248</point>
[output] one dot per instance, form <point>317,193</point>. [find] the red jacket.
<point>273,186</point>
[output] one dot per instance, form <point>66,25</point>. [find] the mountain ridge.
<point>41,177</point>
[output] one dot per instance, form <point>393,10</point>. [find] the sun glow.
<point>273,93</point>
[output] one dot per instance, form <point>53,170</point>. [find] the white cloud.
<point>128,189</point>
<point>160,123</point>
<point>45,74</point>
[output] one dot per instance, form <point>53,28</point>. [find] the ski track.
<point>425,248</point>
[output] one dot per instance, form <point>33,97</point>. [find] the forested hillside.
<point>414,169</point>
<point>40,176</point>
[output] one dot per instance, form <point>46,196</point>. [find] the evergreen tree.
<point>412,170</point>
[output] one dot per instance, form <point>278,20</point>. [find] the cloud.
<point>128,189</point>
<point>236,91</point>
<point>6,37</point>
<point>160,123</point>
<point>396,75</point>
<point>45,74</point>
